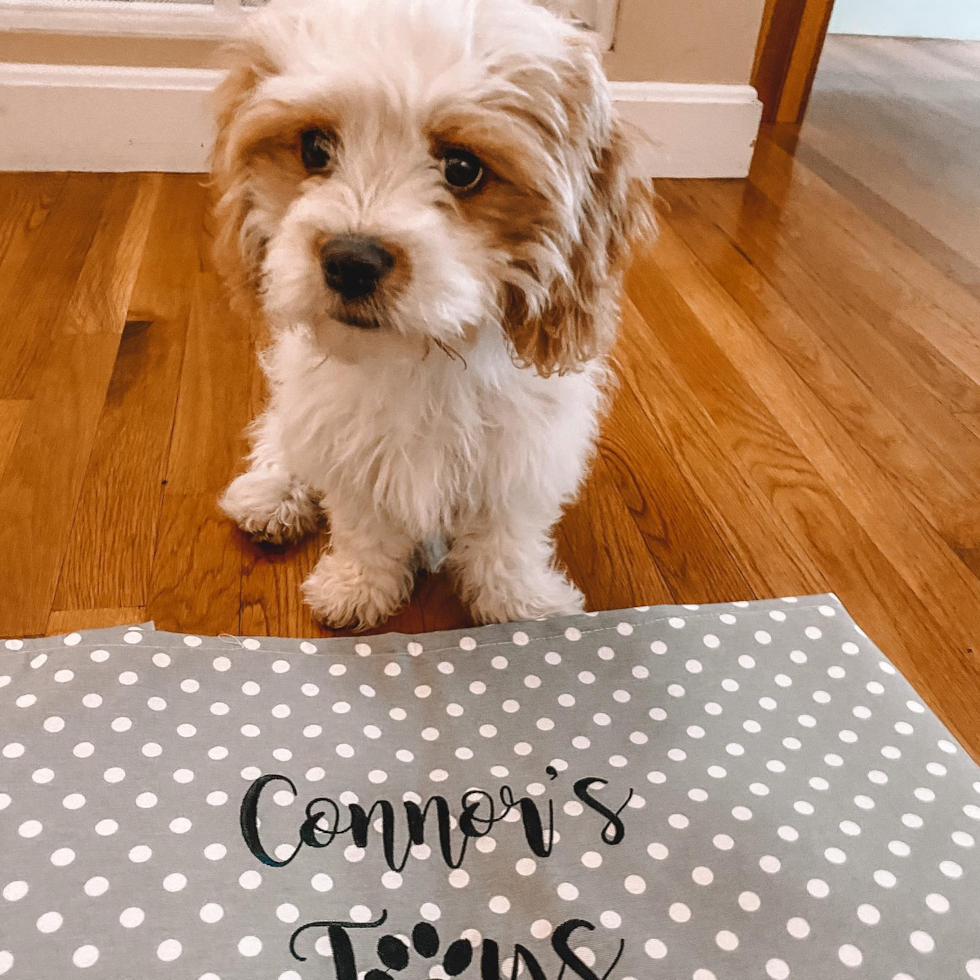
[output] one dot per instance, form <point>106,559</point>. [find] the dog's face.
<point>410,172</point>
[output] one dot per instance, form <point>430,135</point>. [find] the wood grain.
<point>35,293</point>
<point>105,282</point>
<point>110,554</point>
<point>43,477</point>
<point>11,416</point>
<point>195,584</point>
<point>606,553</point>
<point>67,621</point>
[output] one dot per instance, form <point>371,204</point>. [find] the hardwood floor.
<point>799,411</point>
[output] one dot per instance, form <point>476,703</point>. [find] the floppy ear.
<point>615,211</point>
<point>237,248</point>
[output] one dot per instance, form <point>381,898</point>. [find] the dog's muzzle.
<point>354,265</point>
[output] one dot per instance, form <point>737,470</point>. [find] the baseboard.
<point>692,130</point>
<point>95,118</point>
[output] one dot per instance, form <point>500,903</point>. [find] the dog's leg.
<point>267,501</point>
<point>505,565</point>
<point>367,574</point>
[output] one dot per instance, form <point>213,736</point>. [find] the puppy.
<point>430,203</point>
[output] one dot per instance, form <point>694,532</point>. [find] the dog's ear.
<point>614,212</point>
<point>237,248</point>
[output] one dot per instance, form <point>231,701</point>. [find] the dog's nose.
<point>353,265</point>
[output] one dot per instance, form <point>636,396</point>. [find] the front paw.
<point>537,596</point>
<point>345,593</point>
<point>270,506</point>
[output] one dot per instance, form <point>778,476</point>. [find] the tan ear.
<point>578,321</point>
<point>237,254</point>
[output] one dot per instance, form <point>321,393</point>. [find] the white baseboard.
<point>95,118</point>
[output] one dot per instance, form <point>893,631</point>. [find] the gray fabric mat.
<point>735,792</point>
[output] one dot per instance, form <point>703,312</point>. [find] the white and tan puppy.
<point>430,202</point>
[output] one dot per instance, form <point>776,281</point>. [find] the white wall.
<point>959,19</point>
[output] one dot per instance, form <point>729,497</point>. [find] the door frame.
<point>790,43</point>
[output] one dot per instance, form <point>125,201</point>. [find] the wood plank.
<point>691,556</point>
<point>946,260</point>
<point>106,280</point>
<point>604,551</point>
<point>195,583</point>
<point>212,414</point>
<point>25,202</point>
<point>11,416</point>
<point>895,371</point>
<point>875,531</point>
<point>770,558</point>
<point>972,422</point>
<point>904,291</point>
<point>110,552</point>
<point>907,462</point>
<point>33,303</point>
<point>871,494</point>
<point>67,621</point>
<point>43,476</point>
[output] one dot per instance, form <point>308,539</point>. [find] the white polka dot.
<point>818,888</point>
<point>937,903</point>
<point>611,920</point>
<point>749,902</point>
<point>49,922</point>
<point>850,955</point>
<point>250,946</point>
<point>62,857</point>
<point>869,915</point>
<point>658,852</point>
<point>798,928</point>
<point>146,800</point>
<point>85,956</point>
<point>132,917</point>
<point>169,950</point>
<point>250,879</point>
<point>322,882</point>
<point>520,639</point>
<point>679,912</point>
<point>541,929</point>
<point>15,891</point>
<point>567,891</point>
<point>175,882</point>
<point>106,828</point>
<point>777,969</point>
<point>41,776</point>
<point>655,949</point>
<point>73,801</point>
<point>726,940</point>
<point>30,828</point>
<point>215,852</point>
<point>951,869</point>
<point>635,885</point>
<point>140,854</point>
<point>885,878</point>
<point>973,969</point>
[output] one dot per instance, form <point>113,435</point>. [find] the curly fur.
<point>517,282</point>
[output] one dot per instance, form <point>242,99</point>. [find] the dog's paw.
<point>546,594</point>
<point>270,505</point>
<point>345,593</point>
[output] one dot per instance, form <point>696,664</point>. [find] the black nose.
<point>353,265</point>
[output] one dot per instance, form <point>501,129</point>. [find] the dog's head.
<point>415,171</point>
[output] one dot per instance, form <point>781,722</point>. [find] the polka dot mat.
<point>686,793</point>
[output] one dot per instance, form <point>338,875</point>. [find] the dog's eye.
<point>316,148</point>
<point>463,171</point>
